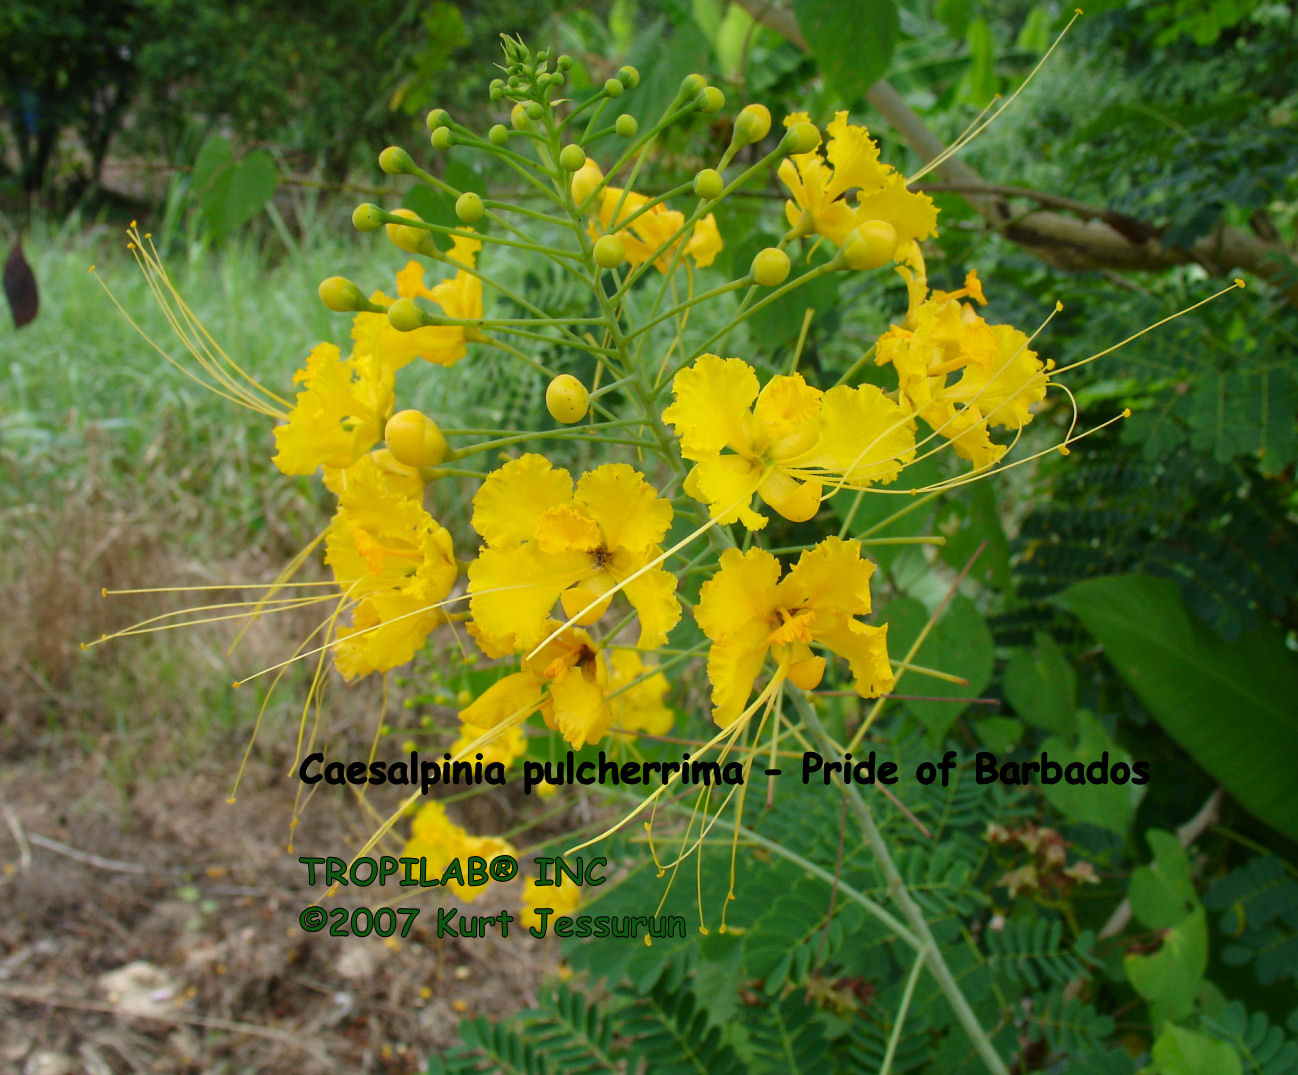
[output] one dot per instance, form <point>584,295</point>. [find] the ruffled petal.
<point>653,596</point>
<point>864,436</point>
<point>506,698</point>
<point>733,665</point>
<point>581,711</point>
<point>726,483</point>
<point>743,591</point>
<point>512,593</point>
<point>866,650</point>
<point>710,410</point>
<point>629,512</point>
<point>830,577</point>
<point>511,501</point>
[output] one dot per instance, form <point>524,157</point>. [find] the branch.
<point>1099,240</point>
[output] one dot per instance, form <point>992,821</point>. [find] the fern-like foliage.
<point>1259,913</point>
<point>1264,1049</point>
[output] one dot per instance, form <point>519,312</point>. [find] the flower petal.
<point>629,512</point>
<point>511,501</point>
<point>710,411</point>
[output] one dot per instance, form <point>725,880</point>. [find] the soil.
<point>156,930</point>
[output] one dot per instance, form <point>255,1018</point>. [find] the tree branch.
<point>1082,236</point>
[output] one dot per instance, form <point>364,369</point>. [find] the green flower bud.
<point>708,184</point>
<point>519,118</point>
<point>691,87</point>
<point>752,124</point>
<point>571,158</point>
<point>614,88</point>
<point>566,397</point>
<point>802,137</point>
<point>341,295</point>
<point>468,207</point>
<point>626,126</point>
<point>629,77</point>
<point>870,246</point>
<point>609,252</point>
<point>438,117</point>
<point>564,63</point>
<point>404,315</point>
<point>443,138</point>
<point>498,135</point>
<point>713,100</point>
<point>496,91</point>
<point>557,80</point>
<point>367,217</point>
<point>395,161</point>
<point>535,110</point>
<point>770,267</point>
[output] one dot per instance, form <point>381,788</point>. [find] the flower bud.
<point>443,138</point>
<point>557,80</point>
<point>438,117</point>
<point>770,267</point>
<point>572,158</point>
<point>415,440</point>
<point>712,100</point>
<point>802,137</point>
<point>534,109</point>
<point>367,217</point>
<point>566,397</point>
<point>564,63</point>
<point>609,252</point>
<point>469,208</point>
<point>752,124</point>
<point>691,87</point>
<point>341,295</point>
<point>613,87</point>
<point>708,184</point>
<point>585,180</point>
<point>629,77</point>
<point>519,118</point>
<point>498,135</point>
<point>395,161</point>
<point>404,237</point>
<point>870,246</point>
<point>404,315</point>
<point>626,126</point>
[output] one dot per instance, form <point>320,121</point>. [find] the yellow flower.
<point>649,237</point>
<point>436,838</point>
<point>547,542</point>
<point>394,562</point>
<point>820,190</point>
<point>443,345</point>
<point>639,708</point>
<point>962,375</point>
<point>793,440</point>
<point>566,680</point>
<point>561,899</point>
<point>747,611</point>
<point>339,414</point>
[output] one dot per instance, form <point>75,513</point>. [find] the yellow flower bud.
<point>404,315</point>
<point>585,180</point>
<point>770,267</point>
<point>752,124</point>
<point>341,295</point>
<point>443,138</point>
<point>614,88</point>
<point>629,77</point>
<point>367,217</point>
<point>871,245</point>
<point>609,252</point>
<point>415,440</point>
<point>566,398</point>
<point>708,184</point>
<point>468,207</point>
<point>572,158</point>
<point>395,161</point>
<point>438,117</point>
<point>712,100</point>
<point>520,119</point>
<point>802,137</point>
<point>406,238</point>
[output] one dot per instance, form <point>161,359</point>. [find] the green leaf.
<point>1162,893</point>
<point>231,192</point>
<point>999,734</point>
<point>1170,978</point>
<point>1110,805</point>
<point>1040,685</point>
<point>1186,1052</point>
<point>959,644</point>
<point>982,70</point>
<point>1229,705</point>
<point>852,43</point>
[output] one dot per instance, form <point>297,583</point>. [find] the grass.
<point>116,472</point>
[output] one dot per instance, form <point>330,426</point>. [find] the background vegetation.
<point>1137,597</point>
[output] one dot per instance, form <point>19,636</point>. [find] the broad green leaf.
<point>852,43</point>
<point>982,69</point>
<point>1162,893</point>
<point>1230,705</point>
<point>959,644</point>
<point>976,510</point>
<point>1186,1052</point>
<point>1109,805</point>
<point>1000,735</point>
<point>1170,978</point>
<point>1040,685</point>
<point>231,192</point>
